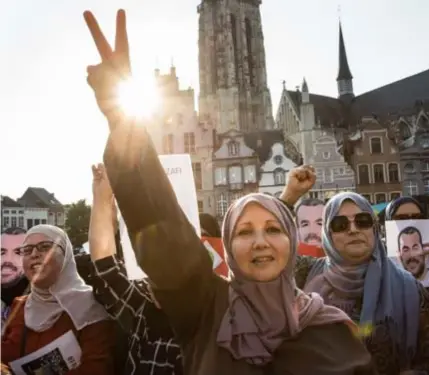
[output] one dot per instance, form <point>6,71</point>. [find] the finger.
<point>100,41</point>
<point>94,170</point>
<point>121,41</point>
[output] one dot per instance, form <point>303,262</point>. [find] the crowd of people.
<point>344,308</point>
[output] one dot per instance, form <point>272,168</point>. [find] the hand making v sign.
<point>115,67</point>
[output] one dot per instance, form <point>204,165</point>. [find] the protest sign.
<point>178,168</point>
<point>57,358</point>
<point>406,240</point>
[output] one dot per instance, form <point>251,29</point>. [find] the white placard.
<point>405,240</point>
<point>179,171</point>
<point>57,358</point>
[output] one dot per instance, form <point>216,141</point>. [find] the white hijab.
<point>68,294</point>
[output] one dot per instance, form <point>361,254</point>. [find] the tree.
<point>77,222</point>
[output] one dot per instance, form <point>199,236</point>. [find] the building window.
<point>235,174</point>
<point>168,144</point>
<point>409,168</point>
<point>233,148</point>
<point>367,197</point>
<point>250,174</point>
<point>222,205</point>
<point>234,44</point>
<point>234,197</point>
<point>200,206</point>
<point>6,222</point>
<point>380,198</point>
<point>189,143</point>
<point>21,222</point>
<point>279,177</point>
<point>378,173</point>
<point>411,188</point>
<point>393,172</point>
<point>220,176</point>
<point>426,186</point>
<point>13,222</point>
<point>375,145</point>
<point>196,167</point>
<point>425,166</point>
<point>328,176</point>
<point>326,155</point>
<point>394,196</point>
<point>278,159</point>
<point>249,50</point>
<point>29,223</point>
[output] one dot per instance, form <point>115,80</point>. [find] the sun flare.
<point>138,98</point>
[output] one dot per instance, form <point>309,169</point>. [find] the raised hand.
<point>115,67</point>
<point>300,181</point>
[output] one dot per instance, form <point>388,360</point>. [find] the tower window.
<point>234,42</point>
<point>249,50</point>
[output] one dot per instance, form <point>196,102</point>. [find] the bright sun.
<point>138,98</point>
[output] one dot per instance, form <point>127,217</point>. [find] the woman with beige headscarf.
<point>59,302</point>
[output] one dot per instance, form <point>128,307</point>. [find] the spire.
<point>304,86</point>
<point>344,70</point>
<point>345,78</point>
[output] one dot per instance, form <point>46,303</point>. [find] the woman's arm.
<point>166,245</point>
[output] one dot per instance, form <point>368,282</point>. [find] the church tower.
<point>233,80</point>
<point>345,78</point>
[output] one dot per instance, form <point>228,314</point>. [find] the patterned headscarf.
<point>261,315</point>
<point>389,293</point>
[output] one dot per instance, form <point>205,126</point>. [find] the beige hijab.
<point>68,294</point>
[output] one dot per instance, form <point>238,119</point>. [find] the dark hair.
<point>409,230</point>
<point>209,224</point>
<point>393,206</point>
<point>14,230</point>
<point>311,202</point>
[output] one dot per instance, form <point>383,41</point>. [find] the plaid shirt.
<point>151,346</point>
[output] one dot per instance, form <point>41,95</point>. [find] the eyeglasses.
<point>362,220</point>
<point>42,248</point>
<point>408,217</point>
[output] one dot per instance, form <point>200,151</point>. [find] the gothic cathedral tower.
<point>233,80</point>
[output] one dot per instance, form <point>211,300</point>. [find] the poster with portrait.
<point>407,243</point>
<point>57,358</point>
<point>309,213</point>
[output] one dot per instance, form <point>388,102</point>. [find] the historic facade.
<point>275,164</point>
<point>234,94</point>
<point>177,129</point>
<point>381,134</point>
<point>376,161</point>
<point>235,169</point>
<point>411,134</point>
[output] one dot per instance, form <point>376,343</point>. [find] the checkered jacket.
<point>151,346</point>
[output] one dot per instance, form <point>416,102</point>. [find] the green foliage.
<point>77,222</point>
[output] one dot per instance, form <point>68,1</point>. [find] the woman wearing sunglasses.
<point>405,208</point>
<point>357,276</point>
<point>59,302</point>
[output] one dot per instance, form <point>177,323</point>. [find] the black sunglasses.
<point>42,247</point>
<point>362,220</point>
<point>408,217</point>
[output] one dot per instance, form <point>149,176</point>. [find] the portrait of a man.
<point>11,259</point>
<point>309,221</point>
<point>410,249</point>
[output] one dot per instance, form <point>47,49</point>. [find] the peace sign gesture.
<point>114,67</point>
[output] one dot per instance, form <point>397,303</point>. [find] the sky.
<point>51,130</point>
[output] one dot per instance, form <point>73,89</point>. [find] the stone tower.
<point>233,80</point>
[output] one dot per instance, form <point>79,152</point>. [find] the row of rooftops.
<point>33,197</point>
